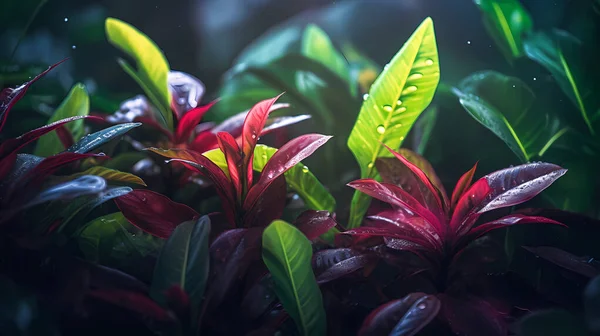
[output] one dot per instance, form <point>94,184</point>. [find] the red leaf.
<point>332,264</point>
<point>399,221</point>
<point>395,196</point>
<point>178,301</point>
<point>463,183</point>
<point>189,121</point>
<point>133,301</point>
<point>154,213</point>
<point>515,185</point>
<point>566,260</point>
<point>406,316</point>
<point>234,124</point>
<point>471,316</point>
<point>464,214</point>
<point>9,96</point>
<point>253,125</point>
<point>507,221</point>
<point>234,162</point>
<point>6,164</point>
<point>204,141</point>
<point>422,177</point>
<point>65,137</point>
<point>372,236</point>
<point>285,158</point>
<point>201,164</point>
<point>269,205</point>
<point>314,223</point>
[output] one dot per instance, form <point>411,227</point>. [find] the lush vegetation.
<point>300,200</point>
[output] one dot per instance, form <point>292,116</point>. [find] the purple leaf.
<point>332,264</point>
<point>566,260</point>
<point>269,205</point>
<point>507,221</point>
<point>471,316</point>
<point>314,223</point>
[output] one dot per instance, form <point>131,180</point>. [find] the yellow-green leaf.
<point>152,66</point>
<point>506,21</point>
<point>401,92</point>
<point>112,175</point>
<point>77,103</point>
<point>287,253</point>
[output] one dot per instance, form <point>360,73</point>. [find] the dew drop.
<point>253,136</point>
<point>401,138</point>
<point>365,96</point>
<point>144,199</point>
<point>264,156</point>
<point>370,165</point>
<point>386,66</point>
<point>73,47</point>
<point>422,306</point>
<point>409,89</point>
<point>468,42</point>
<point>429,62</point>
<point>380,129</point>
<point>415,76</point>
<point>387,108</point>
<point>401,109</point>
<point>399,102</point>
<point>305,169</point>
<point>66,19</point>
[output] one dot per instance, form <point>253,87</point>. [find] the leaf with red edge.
<point>401,221</point>
<point>237,175</point>
<point>253,126</point>
<point>505,221</point>
<point>133,301</point>
<point>314,223</point>
<point>395,196</point>
<point>422,177</point>
<point>154,213</point>
<point>269,205</point>
<point>463,183</point>
<point>234,124</point>
<point>402,317</point>
<point>9,96</point>
<point>189,121</point>
<point>283,160</point>
<point>422,163</point>
<point>464,214</point>
<point>515,185</point>
<point>65,137</point>
<point>566,260</point>
<point>332,264</point>
<point>471,316</point>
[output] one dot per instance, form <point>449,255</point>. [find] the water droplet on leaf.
<point>415,76</point>
<point>401,109</point>
<point>365,96</point>
<point>380,129</point>
<point>409,89</point>
<point>305,169</point>
<point>370,165</point>
<point>429,62</point>
<point>422,306</point>
<point>387,108</point>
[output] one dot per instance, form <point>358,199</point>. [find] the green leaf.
<point>561,54</point>
<point>287,253</point>
<point>184,261</point>
<point>363,70</point>
<point>97,139</point>
<point>507,21</point>
<point>77,103</point>
<point>97,236</point>
<point>270,47</point>
<point>317,46</point>
<point>396,99</point>
<point>423,128</point>
<point>299,178</point>
<point>152,66</point>
<point>503,105</point>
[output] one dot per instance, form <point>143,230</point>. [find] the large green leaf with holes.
<point>77,103</point>
<point>503,104</point>
<point>152,66</point>
<point>396,99</point>
<point>287,253</point>
<point>507,21</point>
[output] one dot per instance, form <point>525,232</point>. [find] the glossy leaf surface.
<point>92,141</point>
<point>112,175</point>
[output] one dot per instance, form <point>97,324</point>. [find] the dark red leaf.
<point>154,213</point>
<point>515,185</point>
<point>10,96</point>
<point>188,122</point>
<point>204,141</point>
<point>471,316</point>
<point>253,126</point>
<point>465,213</point>
<point>178,301</point>
<point>463,183</point>
<point>6,164</point>
<point>395,196</point>
<point>314,223</point>
<point>234,163</point>
<point>285,158</point>
<point>269,205</point>
<point>507,221</point>
<point>566,260</point>
<point>423,178</point>
<point>135,302</point>
<point>401,222</point>
<point>368,237</point>
<point>332,264</point>
<point>65,137</point>
<point>403,317</point>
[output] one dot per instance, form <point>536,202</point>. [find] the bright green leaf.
<point>287,253</point>
<point>184,262</point>
<point>561,54</point>
<point>503,105</point>
<point>77,103</point>
<point>396,99</point>
<point>506,21</point>
<point>152,66</point>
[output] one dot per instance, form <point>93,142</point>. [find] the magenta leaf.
<point>463,184</point>
<point>566,260</point>
<point>515,185</point>
<point>154,213</point>
<point>332,264</point>
<point>189,121</point>
<point>233,156</point>
<point>314,223</point>
<point>269,205</point>
<point>253,126</point>
<point>403,317</point>
<point>284,159</point>
<point>465,213</point>
<point>513,219</point>
<point>471,316</point>
<point>234,124</point>
<point>204,141</point>
<point>373,236</point>
<point>10,96</point>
